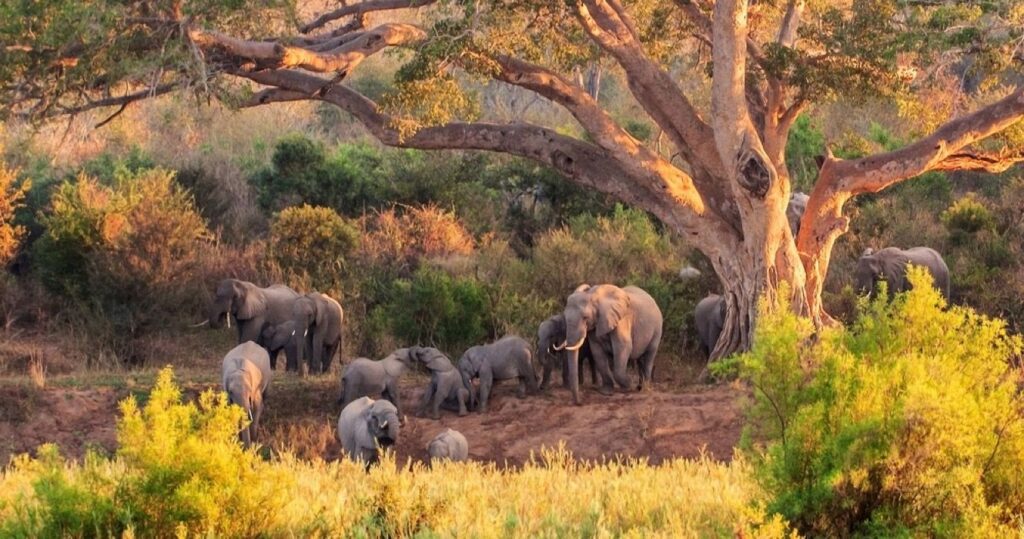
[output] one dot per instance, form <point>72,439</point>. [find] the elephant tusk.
<point>228,316</point>
<point>201,324</point>
<point>304,333</point>
<point>293,333</point>
<point>578,345</point>
<point>558,347</point>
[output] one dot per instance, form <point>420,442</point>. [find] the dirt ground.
<point>301,417</point>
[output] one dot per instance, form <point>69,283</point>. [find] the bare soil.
<point>302,413</point>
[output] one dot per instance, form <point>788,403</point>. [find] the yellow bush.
<point>180,471</point>
<point>12,196</point>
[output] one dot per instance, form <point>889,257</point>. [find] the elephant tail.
<point>341,399</point>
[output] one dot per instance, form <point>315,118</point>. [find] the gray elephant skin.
<point>282,338</point>
<point>318,320</point>
<point>709,317</point>
<point>446,389</point>
<point>507,358</point>
<point>448,445</point>
<point>890,265</point>
<point>252,308</point>
<point>365,426</point>
<point>795,210</point>
<point>367,378</point>
<point>245,376</point>
<point>623,324</point>
<point>551,350</point>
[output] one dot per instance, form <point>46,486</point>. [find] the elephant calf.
<point>365,377</point>
<point>365,426</point>
<point>282,337</point>
<point>448,445</point>
<point>446,387</point>
<point>505,359</point>
<point>245,375</point>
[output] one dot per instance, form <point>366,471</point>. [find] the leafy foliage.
<point>181,472</point>
<point>12,195</point>
<point>312,244</point>
<point>907,423</point>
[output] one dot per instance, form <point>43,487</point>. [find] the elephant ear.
<point>251,302</point>
<point>437,361</point>
<point>611,309</point>
<point>868,252</point>
<point>319,310</point>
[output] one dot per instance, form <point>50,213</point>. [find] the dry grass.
<point>37,371</point>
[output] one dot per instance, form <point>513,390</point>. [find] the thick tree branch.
<point>790,23</point>
<point>876,172</point>
<point>368,6</point>
<point>675,202</point>
<point>663,100</point>
<point>979,162</point>
<point>273,55</point>
<point>594,119</point>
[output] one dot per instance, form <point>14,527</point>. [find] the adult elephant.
<point>253,309</point>
<point>622,323</point>
<point>890,265</point>
<point>550,350</point>
<point>318,321</point>
<point>709,317</point>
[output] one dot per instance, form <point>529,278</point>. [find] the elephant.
<point>365,426</point>
<point>505,359</point>
<point>448,445</point>
<point>318,318</point>
<point>890,265</point>
<point>623,324</point>
<point>365,377</point>
<point>709,317</point>
<point>253,309</point>
<point>795,210</point>
<point>446,387</point>
<point>245,376</point>
<point>282,337</point>
<point>550,335</point>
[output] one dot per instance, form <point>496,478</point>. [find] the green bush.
<point>433,308</point>
<point>909,423</point>
<point>125,258</point>
<point>966,217</point>
<point>312,245</point>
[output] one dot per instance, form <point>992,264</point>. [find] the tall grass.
<point>179,471</point>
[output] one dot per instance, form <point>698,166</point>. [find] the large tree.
<point>722,182</point>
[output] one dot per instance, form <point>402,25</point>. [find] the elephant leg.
<point>646,362</point>
<point>620,360</point>
<point>391,394</point>
<point>329,351</point>
<point>439,395</point>
<point>565,369</point>
<point>521,390</point>
<point>428,396</point>
<point>546,378</point>
<point>273,358</point>
<point>593,369</point>
<point>463,395</point>
<point>600,357</point>
<point>486,382</point>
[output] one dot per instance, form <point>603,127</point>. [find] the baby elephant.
<point>504,359</point>
<point>367,378</point>
<point>450,445</point>
<point>365,426</point>
<point>447,389</point>
<point>245,375</point>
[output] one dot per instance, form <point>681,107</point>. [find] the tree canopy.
<point>723,82</point>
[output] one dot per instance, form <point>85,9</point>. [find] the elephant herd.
<point>605,326</point>
<point>889,265</point>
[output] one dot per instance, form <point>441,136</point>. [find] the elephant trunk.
<point>468,382</point>
<point>574,366</point>
<point>219,309</point>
